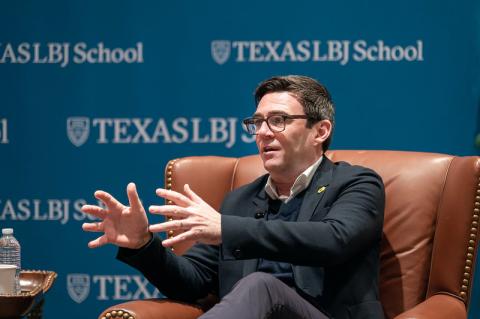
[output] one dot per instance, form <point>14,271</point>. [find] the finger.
<point>96,211</point>
<point>93,227</point>
<point>100,241</point>
<point>110,201</point>
<point>169,210</point>
<point>175,197</point>
<point>133,198</point>
<point>170,225</point>
<point>186,236</point>
<point>193,196</point>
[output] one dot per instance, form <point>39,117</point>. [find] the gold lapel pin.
<point>321,189</point>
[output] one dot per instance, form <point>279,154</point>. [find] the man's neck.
<point>283,188</point>
<point>283,182</point>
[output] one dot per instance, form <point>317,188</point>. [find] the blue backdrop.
<point>95,94</point>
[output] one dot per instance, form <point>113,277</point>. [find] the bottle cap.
<point>7,231</point>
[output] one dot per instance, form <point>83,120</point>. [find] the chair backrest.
<point>431,215</point>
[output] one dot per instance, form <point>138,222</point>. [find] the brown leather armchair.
<point>430,231</point>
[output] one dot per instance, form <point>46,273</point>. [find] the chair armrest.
<point>437,307</point>
<point>152,309</point>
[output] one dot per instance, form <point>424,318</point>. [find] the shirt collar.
<point>301,183</point>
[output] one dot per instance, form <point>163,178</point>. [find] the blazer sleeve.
<point>350,223</point>
<point>187,278</point>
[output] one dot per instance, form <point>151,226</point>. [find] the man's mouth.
<point>269,149</point>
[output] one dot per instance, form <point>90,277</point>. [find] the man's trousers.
<point>262,296</point>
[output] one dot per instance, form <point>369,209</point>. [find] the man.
<point>300,242</point>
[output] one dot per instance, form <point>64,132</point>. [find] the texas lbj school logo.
<point>220,51</point>
<point>78,129</point>
<point>322,51</point>
<point>148,130</point>
<point>78,286</point>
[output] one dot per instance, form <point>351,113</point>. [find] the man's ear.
<point>323,129</point>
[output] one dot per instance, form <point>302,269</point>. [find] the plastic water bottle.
<point>10,253</point>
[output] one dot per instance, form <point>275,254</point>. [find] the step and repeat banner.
<point>96,94</point>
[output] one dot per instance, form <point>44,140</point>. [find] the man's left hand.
<point>199,221</point>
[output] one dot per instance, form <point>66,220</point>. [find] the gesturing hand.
<point>199,220</point>
<point>122,225</point>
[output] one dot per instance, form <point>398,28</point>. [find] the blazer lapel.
<point>317,189</point>
<point>260,206</point>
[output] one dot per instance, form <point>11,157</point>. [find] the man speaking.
<point>302,241</point>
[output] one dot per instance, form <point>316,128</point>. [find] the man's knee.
<point>259,280</point>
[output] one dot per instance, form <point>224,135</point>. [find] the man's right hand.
<point>122,225</point>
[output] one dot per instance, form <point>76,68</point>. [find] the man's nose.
<point>264,130</point>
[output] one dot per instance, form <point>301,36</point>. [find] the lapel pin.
<point>321,189</point>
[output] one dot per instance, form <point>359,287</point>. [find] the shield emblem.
<point>78,129</point>
<point>78,286</point>
<point>220,51</point>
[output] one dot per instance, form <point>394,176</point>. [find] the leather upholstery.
<point>430,228</point>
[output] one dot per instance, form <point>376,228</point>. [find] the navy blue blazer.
<point>333,246</point>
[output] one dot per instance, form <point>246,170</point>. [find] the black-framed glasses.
<point>275,122</point>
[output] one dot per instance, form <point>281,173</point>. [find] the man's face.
<point>288,153</point>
